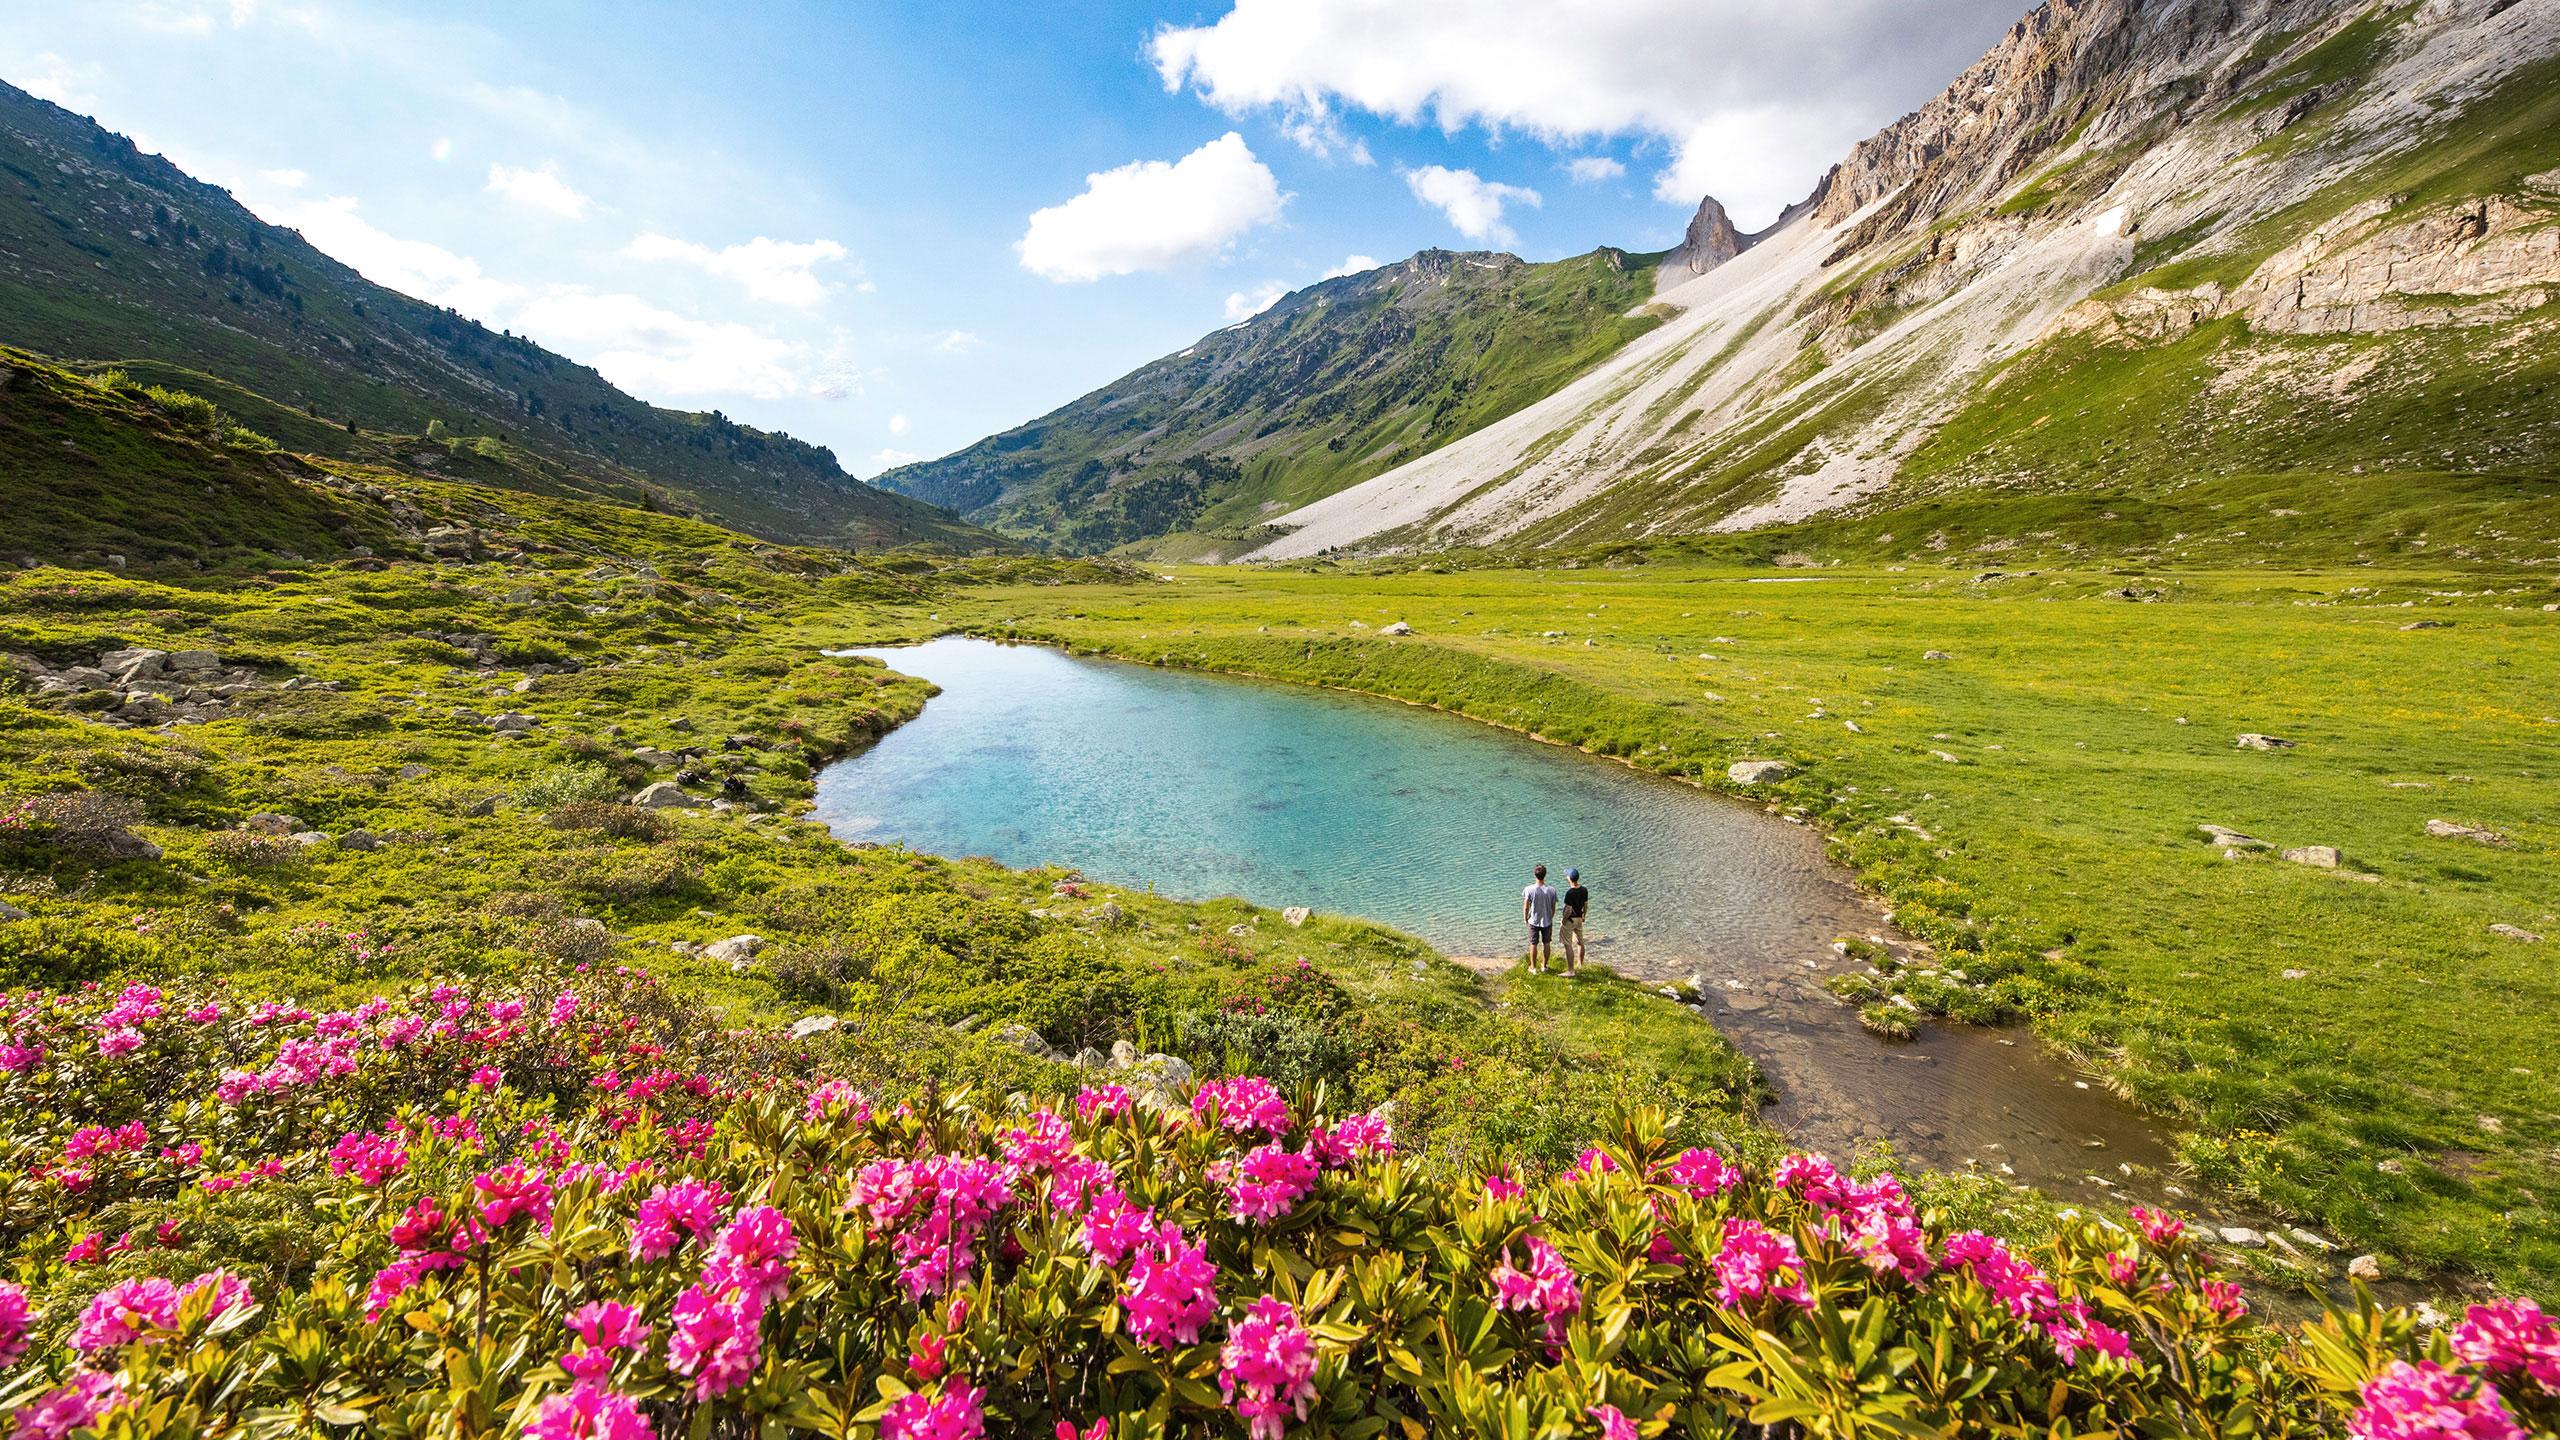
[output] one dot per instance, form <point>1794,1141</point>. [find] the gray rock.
<point>268,822</point>
<point>359,840</point>
<point>2242,1236</point>
<point>2230,839</point>
<point>414,772</point>
<point>2367,1268</point>
<point>1296,915</point>
<point>1123,1054</point>
<point>512,723</point>
<point>481,808</point>
<point>808,1025</point>
<point>2428,625</point>
<point>1025,1039</point>
<point>2252,740</point>
<point>653,758</point>
<point>1398,628</point>
<point>2513,932</point>
<point>735,951</point>
<point>666,795</point>
<point>1757,772</point>
<point>1945,758</point>
<point>9,912</point>
<point>1935,655</point>
<point>965,1026</point>
<point>308,839</point>
<point>680,725</point>
<point>1089,1058</point>
<point>1109,914</point>
<point>2476,834</point>
<point>2324,856</point>
<point>194,662</point>
<point>125,664</point>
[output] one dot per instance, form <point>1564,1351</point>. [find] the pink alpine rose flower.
<point>952,1415</point>
<point>2427,1402</point>
<point>1267,1370</point>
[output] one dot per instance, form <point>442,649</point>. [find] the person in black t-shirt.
<point>1577,901</point>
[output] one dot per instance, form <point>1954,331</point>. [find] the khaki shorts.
<point>1569,929</point>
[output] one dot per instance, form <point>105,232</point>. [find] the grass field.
<point>2354,1047</point>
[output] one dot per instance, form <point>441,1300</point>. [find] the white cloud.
<point>892,459</point>
<point>897,424</point>
<point>1473,204</point>
<point>53,78</point>
<point>541,189</point>
<point>1351,265</point>
<point>957,342</point>
<point>653,351</point>
<point>1755,98</point>
<point>1592,169</point>
<point>1245,304</point>
<point>285,179</point>
<point>414,267</point>
<point>1151,215</point>
<point>442,150</point>
<point>780,271</point>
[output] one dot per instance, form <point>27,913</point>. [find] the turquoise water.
<point>1201,786</point>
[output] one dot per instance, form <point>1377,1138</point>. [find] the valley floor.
<point>2021,764</point>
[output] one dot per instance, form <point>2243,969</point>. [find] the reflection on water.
<point>1292,796</point>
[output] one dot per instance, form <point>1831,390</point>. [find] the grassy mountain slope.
<point>1331,385</point>
<point>2137,249</point>
<point>118,257</point>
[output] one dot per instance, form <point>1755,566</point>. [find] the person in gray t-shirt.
<point>1538,908</point>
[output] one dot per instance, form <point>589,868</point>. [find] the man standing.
<point>1538,907</point>
<point>1577,900</point>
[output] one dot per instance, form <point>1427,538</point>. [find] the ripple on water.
<point>1286,795</point>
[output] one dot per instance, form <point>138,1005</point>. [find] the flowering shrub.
<point>565,1211</point>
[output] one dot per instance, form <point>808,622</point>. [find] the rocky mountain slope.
<point>1332,384</point>
<point>2142,250</point>
<point>111,255</point>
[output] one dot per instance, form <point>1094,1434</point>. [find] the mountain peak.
<point>1711,240</point>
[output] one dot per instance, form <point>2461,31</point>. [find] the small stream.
<point>1288,795</point>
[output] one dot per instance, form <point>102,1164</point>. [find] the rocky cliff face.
<point>2225,178</point>
<point>1711,240</point>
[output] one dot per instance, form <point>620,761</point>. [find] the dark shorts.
<point>1541,934</point>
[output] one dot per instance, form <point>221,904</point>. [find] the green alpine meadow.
<point>1875,753</point>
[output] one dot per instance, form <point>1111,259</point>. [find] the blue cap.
<point>1573,874</point>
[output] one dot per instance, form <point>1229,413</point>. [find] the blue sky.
<point>894,228</point>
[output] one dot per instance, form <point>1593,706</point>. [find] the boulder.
<point>2324,856</point>
<point>1935,655</point>
<point>1089,1058</point>
<point>1398,628</point>
<point>268,822</point>
<point>808,1025</point>
<point>654,759</point>
<point>2476,834</point>
<point>2251,740</point>
<point>2428,625</point>
<point>308,839</point>
<point>512,723</point>
<point>666,795</point>
<point>1946,758</point>
<point>2367,1268</point>
<point>125,664</point>
<point>1296,915</point>
<point>1123,1054</point>
<point>413,772</point>
<point>359,840</point>
<point>10,912</point>
<point>1757,772</point>
<point>2242,1236</point>
<point>194,662</point>
<point>2230,839</point>
<point>2513,932</point>
<point>1025,1039</point>
<point>735,951</point>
